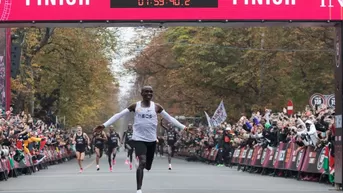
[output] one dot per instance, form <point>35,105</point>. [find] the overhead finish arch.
<point>228,13</point>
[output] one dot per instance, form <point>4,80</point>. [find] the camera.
<point>274,123</point>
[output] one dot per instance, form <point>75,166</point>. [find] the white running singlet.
<point>145,123</point>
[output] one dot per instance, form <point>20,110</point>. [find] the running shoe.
<point>81,170</point>
<point>130,166</point>
<point>127,162</point>
<point>97,167</point>
<point>170,167</point>
<point>111,169</point>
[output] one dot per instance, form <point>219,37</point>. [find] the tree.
<point>71,75</point>
<point>249,68</point>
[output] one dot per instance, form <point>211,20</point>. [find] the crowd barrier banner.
<point>280,156</point>
<point>213,154</point>
<point>267,157</point>
<point>8,164</point>
<point>248,157</point>
<point>242,155</point>
<point>314,160</point>
<point>287,156</point>
<point>236,155</point>
<point>298,154</point>
<point>256,157</point>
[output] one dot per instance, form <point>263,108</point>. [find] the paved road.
<point>186,177</point>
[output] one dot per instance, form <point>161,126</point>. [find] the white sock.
<point>97,166</point>
<point>169,165</point>
<point>139,191</point>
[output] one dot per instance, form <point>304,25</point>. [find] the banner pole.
<point>338,107</point>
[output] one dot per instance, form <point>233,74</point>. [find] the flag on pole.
<point>329,164</point>
<point>209,122</point>
<point>220,115</point>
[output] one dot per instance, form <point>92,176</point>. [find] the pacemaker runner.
<point>127,137</point>
<point>144,130</point>
<point>113,140</point>
<point>171,140</point>
<point>80,140</point>
<point>99,138</point>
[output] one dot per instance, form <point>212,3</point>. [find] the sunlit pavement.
<point>186,177</point>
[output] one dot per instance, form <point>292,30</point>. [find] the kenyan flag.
<point>329,163</point>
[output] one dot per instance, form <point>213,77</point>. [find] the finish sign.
<point>319,99</point>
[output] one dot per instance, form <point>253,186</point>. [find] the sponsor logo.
<point>251,151</point>
<point>263,155</point>
<point>321,157</point>
<point>275,156</point>
<point>300,155</point>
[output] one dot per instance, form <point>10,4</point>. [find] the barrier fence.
<point>286,157</point>
<point>9,167</point>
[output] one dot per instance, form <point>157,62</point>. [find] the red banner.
<point>280,156</point>
<point>256,157</point>
<point>287,156</point>
<point>124,10</point>
<point>248,157</point>
<point>236,155</point>
<point>268,157</point>
<point>296,157</point>
<point>213,154</point>
<point>242,155</point>
<point>314,160</point>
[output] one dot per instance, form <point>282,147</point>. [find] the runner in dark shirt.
<point>127,137</point>
<point>171,140</point>
<point>99,138</point>
<point>80,140</point>
<point>113,140</point>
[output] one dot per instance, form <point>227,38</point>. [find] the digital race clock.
<point>164,3</point>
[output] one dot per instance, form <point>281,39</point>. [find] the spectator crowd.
<point>22,134</point>
<point>312,127</point>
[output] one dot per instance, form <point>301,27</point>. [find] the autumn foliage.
<point>193,69</point>
<point>65,72</point>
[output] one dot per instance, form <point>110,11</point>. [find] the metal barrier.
<point>11,168</point>
<point>286,157</point>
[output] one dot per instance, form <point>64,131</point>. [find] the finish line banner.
<point>176,10</point>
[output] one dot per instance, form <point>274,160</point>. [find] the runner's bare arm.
<point>117,116</point>
<point>165,115</point>
<point>87,138</point>
<point>104,136</point>
<point>123,138</point>
<point>74,137</point>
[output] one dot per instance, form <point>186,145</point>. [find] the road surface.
<point>186,177</point>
